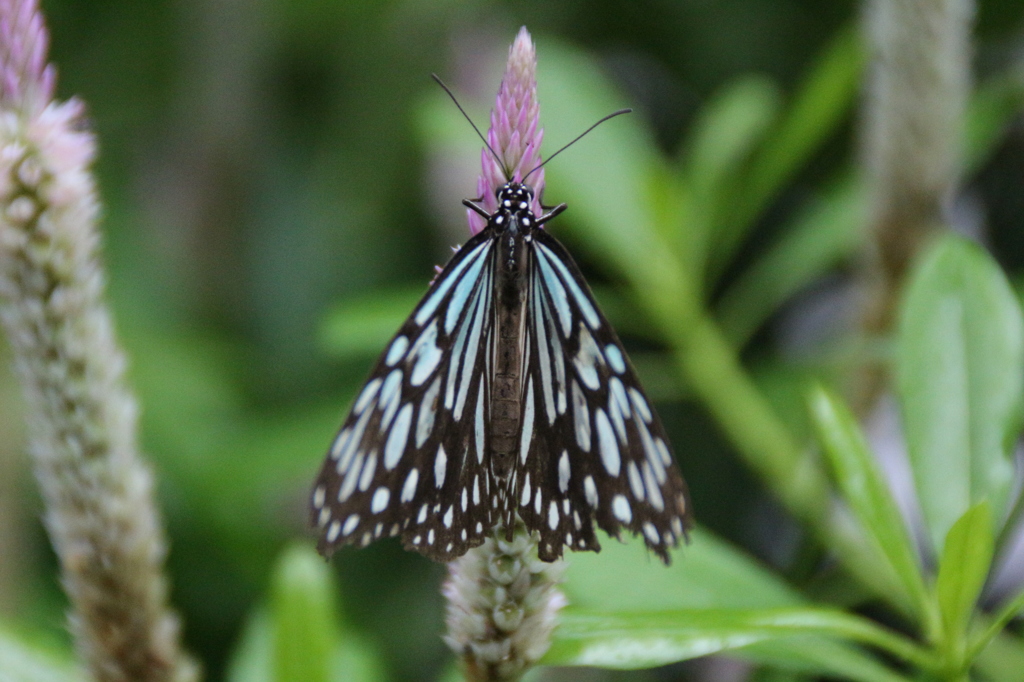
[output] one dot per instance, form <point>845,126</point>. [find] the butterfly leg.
<point>472,204</point>
<point>551,213</point>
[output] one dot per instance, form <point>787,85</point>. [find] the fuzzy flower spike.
<point>503,601</point>
<point>82,417</point>
<point>515,133</point>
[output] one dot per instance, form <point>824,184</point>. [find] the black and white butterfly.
<point>505,393</point>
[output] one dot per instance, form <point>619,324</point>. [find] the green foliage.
<point>25,660</point>
<point>301,636</point>
<point>960,375</point>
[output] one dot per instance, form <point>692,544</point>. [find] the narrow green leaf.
<point>996,624</point>
<point>303,617</point>
<point>727,129</point>
<point>963,568</point>
<point>642,640</point>
<point>866,491</point>
<point>823,234</point>
<point>960,373</point>
<point>824,98</point>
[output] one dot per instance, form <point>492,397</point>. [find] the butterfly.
<point>505,394</point>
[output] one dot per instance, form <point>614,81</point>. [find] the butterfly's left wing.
<point>410,459</point>
<point>598,452</point>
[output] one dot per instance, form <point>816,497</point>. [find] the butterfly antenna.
<point>577,139</point>
<point>479,134</point>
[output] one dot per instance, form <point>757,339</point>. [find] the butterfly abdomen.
<point>506,390</point>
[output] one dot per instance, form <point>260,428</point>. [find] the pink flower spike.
<point>26,79</point>
<point>515,133</point>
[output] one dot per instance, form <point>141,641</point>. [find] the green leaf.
<point>643,640</point>
<point>22,660</point>
<point>707,573</point>
<point>821,103</point>
<point>613,184</point>
<point>822,234</point>
<point>353,659</point>
<point>992,108</point>
<point>963,568</point>
<point>960,372</point>
<point>303,617</point>
<point>866,491</point>
<point>252,658</point>
<point>811,657</point>
<point>360,327</point>
<point>726,131</point>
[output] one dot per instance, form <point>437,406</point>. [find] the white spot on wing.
<point>553,515</point>
<point>409,487</point>
<point>526,435</point>
<point>666,457</point>
<point>653,491</point>
<point>563,471</point>
<point>397,351</point>
<point>340,443</point>
<point>380,500</point>
<point>428,412</point>
<point>351,478</point>
<point>440,466</point>
<point>398,438</point>
<point>389,398</point>
<point>581,417</point>
<point>636,484</point>
<point>368,393</point>
<point>448,517</point>
<point>350,524</point>
<point>590,491</point>
<point>333,531</point>
<point>606,441</point>
<point>525,499</point>
<point>586,360</point>
<point>615,359</point>
<point>478,425</point>
<point>621,509</point>
<point>368,470</point>
<point>640,403</point>
<point>426,355</point>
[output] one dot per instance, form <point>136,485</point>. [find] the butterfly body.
<point>506,393</point>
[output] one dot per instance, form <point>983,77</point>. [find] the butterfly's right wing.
<point>596,451</point>
<point>410,457</point>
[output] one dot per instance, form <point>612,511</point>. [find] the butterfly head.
<point>514,197</point>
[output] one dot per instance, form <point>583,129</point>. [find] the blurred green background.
<point>275,197</point>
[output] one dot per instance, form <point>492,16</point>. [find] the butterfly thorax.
<point>512,223</point>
